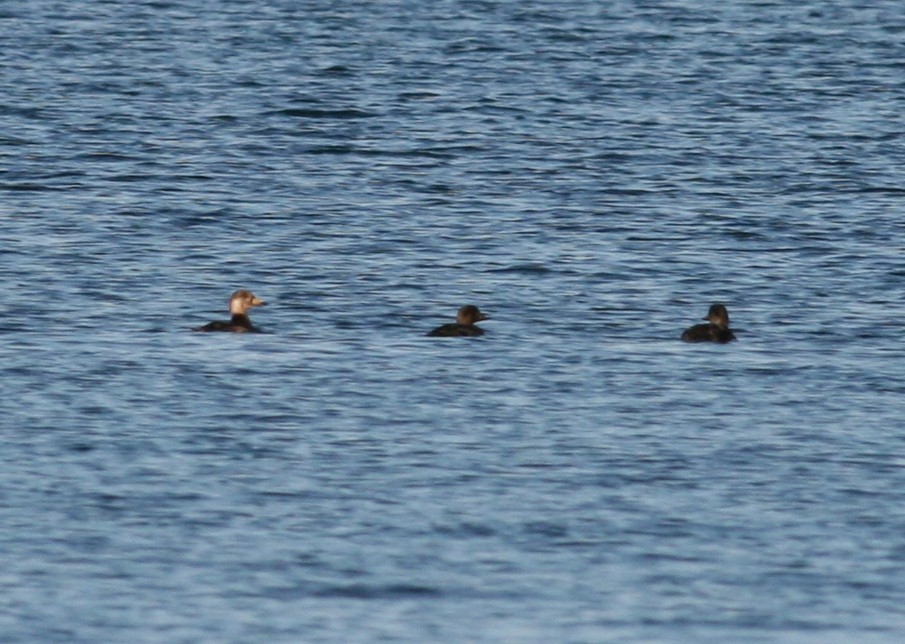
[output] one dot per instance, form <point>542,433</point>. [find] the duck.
<point>239,304</point>
<point>716,330</point>
<point>464,326</point>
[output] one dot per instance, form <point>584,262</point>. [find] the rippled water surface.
<point>593,175</point>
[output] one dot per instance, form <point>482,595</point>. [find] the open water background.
<point>593,175</point>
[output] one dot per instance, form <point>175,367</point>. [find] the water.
<point>593,175</point>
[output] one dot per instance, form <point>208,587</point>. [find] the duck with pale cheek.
<point>716,329</point>
<point>239,305</point>
<point>464,326</point>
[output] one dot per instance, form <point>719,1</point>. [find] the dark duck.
<point>716,329</point>
<point>464,326</point>
<point>239,305</point>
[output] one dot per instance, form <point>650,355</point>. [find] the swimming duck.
<point>716,331</point>
<point>239,304</point>
<point>464,324</point>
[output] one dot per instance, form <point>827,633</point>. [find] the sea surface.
<point>593,175</point>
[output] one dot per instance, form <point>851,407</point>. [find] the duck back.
<point>454,330</point>
<point>238,324</point>
<point>708,333</point>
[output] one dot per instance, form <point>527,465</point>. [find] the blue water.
<point>593,175</point>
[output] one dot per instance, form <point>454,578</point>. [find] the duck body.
<point>236,324</point>
<point>708,333</point>
<point>715,330</point>
<point>239,304</point>
<point>464,326</point>
<point>455,330</point>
